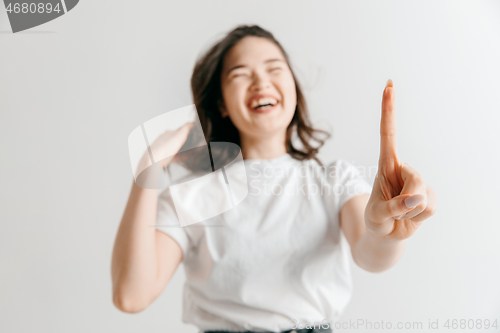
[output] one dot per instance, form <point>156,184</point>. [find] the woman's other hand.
<point>166,146</point>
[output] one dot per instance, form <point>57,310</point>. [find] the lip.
<point>249,103</point>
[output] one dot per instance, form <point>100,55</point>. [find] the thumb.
<point>401,204</point>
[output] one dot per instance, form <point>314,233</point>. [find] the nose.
<point>260,82</point>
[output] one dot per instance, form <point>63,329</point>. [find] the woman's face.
<point>258,88</point>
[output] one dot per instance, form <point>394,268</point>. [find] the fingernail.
<point>414,200</point>
<point>389,83</point>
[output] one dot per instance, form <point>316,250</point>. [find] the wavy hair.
<point>207,96</point>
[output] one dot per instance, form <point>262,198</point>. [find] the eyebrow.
<point>240,66</point>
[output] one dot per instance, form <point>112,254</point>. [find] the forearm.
<point>134,261</point>
<point>376,255</point>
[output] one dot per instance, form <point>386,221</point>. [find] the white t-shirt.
<point>275,259</point>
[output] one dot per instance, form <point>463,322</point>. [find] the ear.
<point>222,109</point>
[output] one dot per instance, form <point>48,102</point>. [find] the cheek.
<point>288,87</point>
<point>233,94</point>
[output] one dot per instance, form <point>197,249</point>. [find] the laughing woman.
<point>280,261</point>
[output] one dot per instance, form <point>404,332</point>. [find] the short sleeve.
<point>347,180</point>
<point>167,222</point>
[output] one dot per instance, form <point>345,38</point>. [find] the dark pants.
<point>304,330</point>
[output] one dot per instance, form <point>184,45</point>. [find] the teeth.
<point>263,101</point>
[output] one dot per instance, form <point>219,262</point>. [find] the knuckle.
<point>431,209</point>
<point>412,173</point>
<point>419,178</point>
<point>389,132</point>
<point>416,178</point>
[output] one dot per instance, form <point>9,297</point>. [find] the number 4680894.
<point>32,8</point>
<point>470,324</point>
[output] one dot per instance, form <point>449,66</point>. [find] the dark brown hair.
<point>207,96</point>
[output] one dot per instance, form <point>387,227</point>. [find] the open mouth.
<point>263,104</point>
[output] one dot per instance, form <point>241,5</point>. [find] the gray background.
<point>73,89</point>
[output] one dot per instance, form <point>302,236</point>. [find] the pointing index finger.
<point>388,125</point>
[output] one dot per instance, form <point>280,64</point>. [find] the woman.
<point>278,263</point>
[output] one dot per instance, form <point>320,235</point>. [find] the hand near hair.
<point>166,146</point>
<point>400,200</point>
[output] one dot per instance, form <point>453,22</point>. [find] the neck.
<point>267,147</point>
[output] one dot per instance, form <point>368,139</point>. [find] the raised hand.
<point>166,146</point>
<point>400,200</point>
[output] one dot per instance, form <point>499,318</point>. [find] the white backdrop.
<point>73,89</point>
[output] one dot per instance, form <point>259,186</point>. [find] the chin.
<point>268,128</point>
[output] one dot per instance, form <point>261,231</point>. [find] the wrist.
<point>144,162</point>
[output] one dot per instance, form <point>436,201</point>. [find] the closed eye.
<point>239,74</point>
